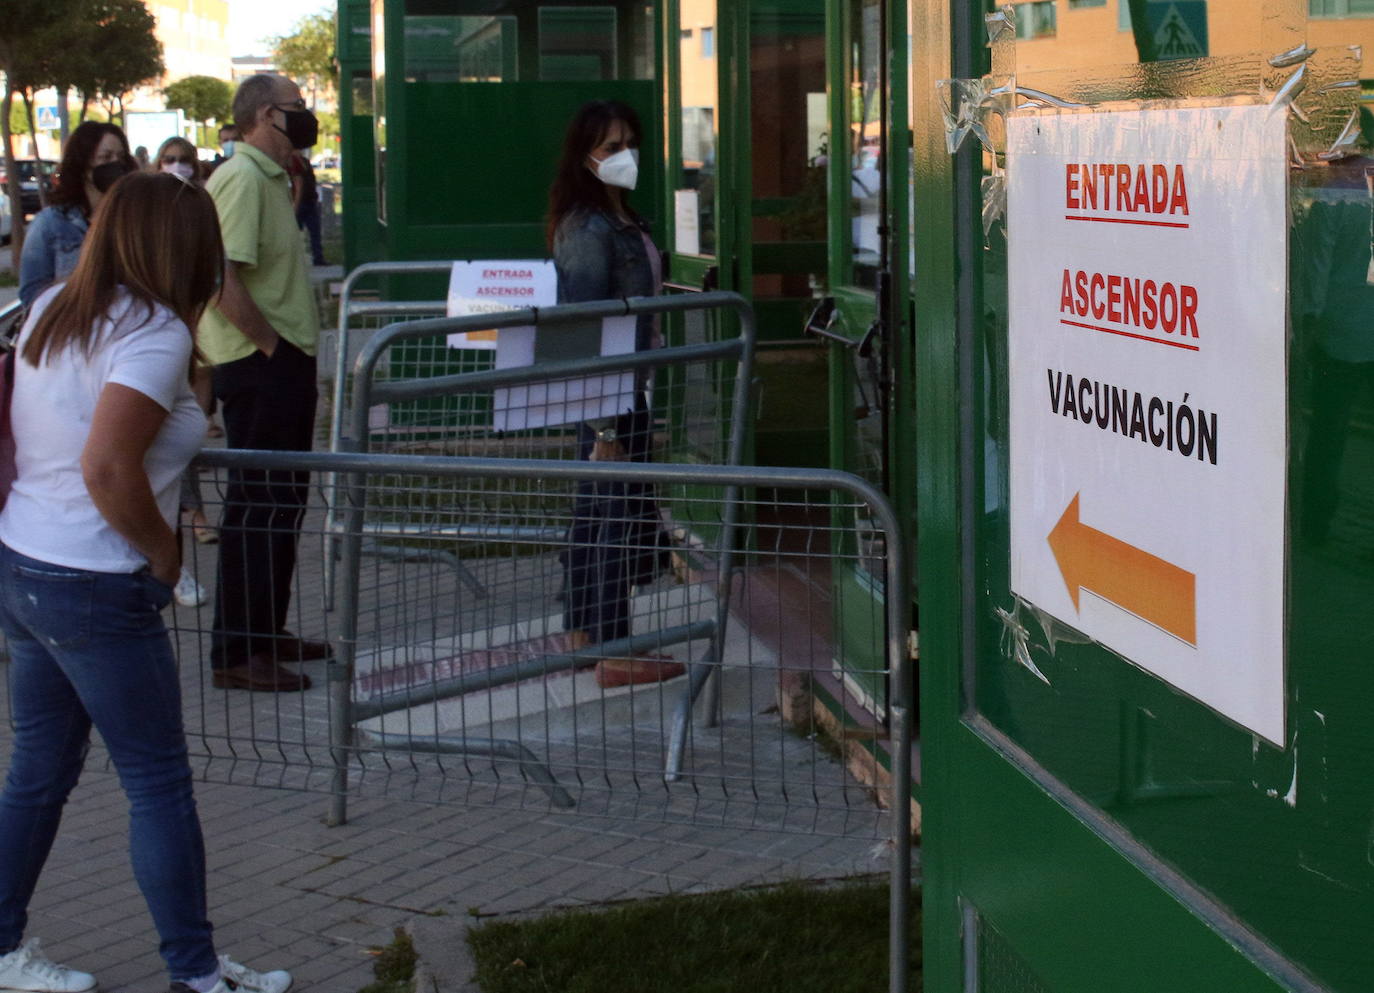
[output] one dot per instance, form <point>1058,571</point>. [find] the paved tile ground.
<point>286,891</point>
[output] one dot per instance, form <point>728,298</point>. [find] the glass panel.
<point>461,49</point>
<point>1266,828</point>
<point>786,84</point>
<point>698,97</point>
<point>577,43</point>
<point>865,140</point>
<point>379,101</point>
<point>479,41</point>
<point>361,88</point>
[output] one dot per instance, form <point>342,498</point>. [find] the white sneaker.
<point>187,591</point>
<point>235,977</point>
<point>27,970</point>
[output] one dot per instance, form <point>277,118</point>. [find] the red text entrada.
<point>1110,186</point>
<point>1144,303</point>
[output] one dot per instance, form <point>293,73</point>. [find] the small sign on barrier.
<point>491,286</point>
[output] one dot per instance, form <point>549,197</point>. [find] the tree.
<point>201,98</point>
<point>22,22</point>
<point>307,54</point>
<point>125,54</point>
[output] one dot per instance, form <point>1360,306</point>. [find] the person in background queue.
<point>602,250</point>
<point>96,155</point>
<point>229,136</point>
<point>178,157</point>
<point>104,424</point>
<point>305,197</point>
<point>260,338</point>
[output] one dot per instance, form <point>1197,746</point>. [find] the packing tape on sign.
<point>964,109</point>
<point>1015,641</point>
<point>1290,91</point>
<point>1347,142</point>
<point>1001,23</point>
<point>1292,57</point>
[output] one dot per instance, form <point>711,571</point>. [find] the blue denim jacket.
<point>52,245</point>
<point>600,257</point>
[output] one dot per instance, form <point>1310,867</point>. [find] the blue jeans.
<point>91,648</point>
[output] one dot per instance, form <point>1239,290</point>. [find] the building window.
<point>1340,8</point>
<point>708,43</point>
<point>1035,20</point>
<point>1123,15</point>
<point>1080,4</point>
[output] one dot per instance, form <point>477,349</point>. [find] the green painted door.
<point>865,317</point>
<point>746,96</point>
<point>1095,820</point>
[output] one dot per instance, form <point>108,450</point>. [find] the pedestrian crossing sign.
<point>1181,33</point>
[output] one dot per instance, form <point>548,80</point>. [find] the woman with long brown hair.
<point>95,156</point>
<point>602,250</point>
<point>105,423</point>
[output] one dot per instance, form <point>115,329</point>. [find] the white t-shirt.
<point>49,515</point>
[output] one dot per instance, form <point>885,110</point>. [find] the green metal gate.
<point>1091,824</point>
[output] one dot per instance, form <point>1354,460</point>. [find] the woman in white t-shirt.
<point>105,423</point>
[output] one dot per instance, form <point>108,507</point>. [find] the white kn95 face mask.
<point>620,169</point>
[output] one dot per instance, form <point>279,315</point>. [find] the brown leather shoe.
<point>260,673</point>
<point>286,647</point>
<point>612,672</point>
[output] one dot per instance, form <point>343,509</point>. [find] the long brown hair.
<point>574,185</point>
<point>154,236</point>
<point>76,163</point>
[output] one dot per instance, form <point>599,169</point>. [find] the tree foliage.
<point>201,98</point>
<point>125,52</point>
<point>308,52</point>
<point>21,26</point>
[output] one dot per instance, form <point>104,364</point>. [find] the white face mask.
<point>620,169</point>
<point>228,148</point>
<point>181,169</point>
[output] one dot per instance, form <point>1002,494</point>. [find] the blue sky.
<point>250,21</point>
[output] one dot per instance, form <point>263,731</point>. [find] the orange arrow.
<point>1133,579</point>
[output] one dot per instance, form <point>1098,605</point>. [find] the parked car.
<point>6,224</point>
<point>30,172</point>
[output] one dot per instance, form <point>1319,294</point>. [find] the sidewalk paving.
<point>288,892</point>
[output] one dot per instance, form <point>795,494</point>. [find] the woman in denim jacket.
<point>96,155</point>
<point>602,250</point>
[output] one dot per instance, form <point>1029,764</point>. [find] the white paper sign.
<point>563,401</point>
<point>687,222</point>
<point>490,286</point>
<point>1147,391</point>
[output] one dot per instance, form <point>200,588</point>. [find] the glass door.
<point>863,316</point>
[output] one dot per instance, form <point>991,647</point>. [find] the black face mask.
<point>103,176</point>
<point>302,129</point>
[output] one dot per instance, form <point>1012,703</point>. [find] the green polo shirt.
<point>253,197</point>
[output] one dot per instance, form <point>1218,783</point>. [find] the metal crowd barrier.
<point>513,394</point>
<point>440,696</point>
<point>446,407</point>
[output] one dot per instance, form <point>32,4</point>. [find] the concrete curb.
<point>443,960</point>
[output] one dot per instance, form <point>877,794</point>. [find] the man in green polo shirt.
<point>260,338</point>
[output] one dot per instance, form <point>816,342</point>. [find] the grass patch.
<point>8,278</point>
<point>395,967</point>
<point>796,938</point>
